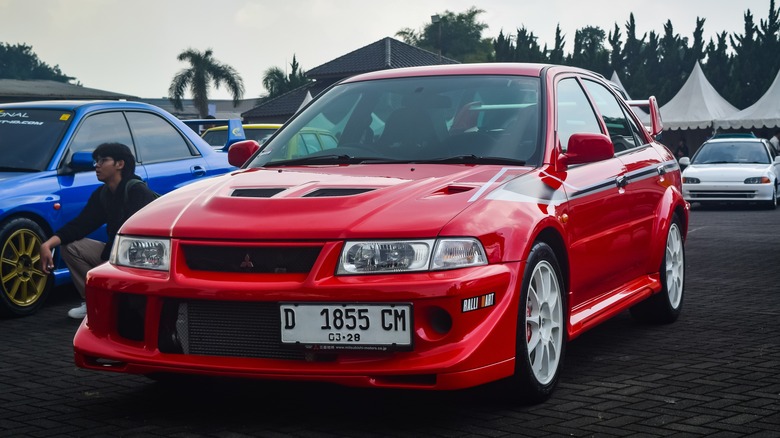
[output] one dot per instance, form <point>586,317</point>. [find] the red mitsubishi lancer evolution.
<point>468,222</point>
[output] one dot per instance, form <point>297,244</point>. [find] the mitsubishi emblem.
<point>247,263</point>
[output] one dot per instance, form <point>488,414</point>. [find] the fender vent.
<point>319,193</point>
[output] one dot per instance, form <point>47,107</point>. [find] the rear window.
<point>30,137</point>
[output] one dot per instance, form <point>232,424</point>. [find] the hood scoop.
<point>332,192</point>
<point>265,192</point>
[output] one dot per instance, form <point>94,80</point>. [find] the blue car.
<point>42,186</point>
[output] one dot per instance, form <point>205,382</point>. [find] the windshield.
<point>424,119</point>
<point>29,137</point>
<point>752,152</point>
<point>216,137</point>
<point>258,134</point>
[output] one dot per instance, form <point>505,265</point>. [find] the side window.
<point>621,129</point>
<point>574,112</point>
<point>101,128</point>
<point>156,139</point>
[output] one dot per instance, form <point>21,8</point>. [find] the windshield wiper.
<point>476,159</point>
<point>320,159</point>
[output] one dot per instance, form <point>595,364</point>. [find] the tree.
<point>456,36</point>
<point>203,70</point>
<point>278,83</point>
<point>20,62</point>
<point>589,51</point>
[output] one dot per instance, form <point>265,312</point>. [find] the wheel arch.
<point>45,226</point>
<point>553,237</point>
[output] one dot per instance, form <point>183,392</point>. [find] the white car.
<point>734,170</point>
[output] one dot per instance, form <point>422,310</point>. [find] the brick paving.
<point>714,372</point>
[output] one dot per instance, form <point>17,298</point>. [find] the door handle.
<point>197,170</point>
<point>621,181</point>
<point>661,170</point>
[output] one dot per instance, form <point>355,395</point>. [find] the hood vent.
<point>320,193</point>
<point>257,192</point>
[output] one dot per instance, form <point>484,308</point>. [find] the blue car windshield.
<point>29,137</point>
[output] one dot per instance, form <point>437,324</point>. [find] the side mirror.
<point>685,161</point>
<point>239,152</point>
<point>589,148</point>
<point>82,161</point>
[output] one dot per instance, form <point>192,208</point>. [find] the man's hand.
<point>47,256</point>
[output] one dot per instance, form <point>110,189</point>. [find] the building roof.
<point>387,53</point>
<point>21,90</point>
<point>381,55</point>
<point>224,108</point>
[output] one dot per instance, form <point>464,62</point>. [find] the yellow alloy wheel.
<point>23,281</point>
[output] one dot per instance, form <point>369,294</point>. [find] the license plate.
<point>347,325</point>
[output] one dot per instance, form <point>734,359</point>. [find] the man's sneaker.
<point>78,312</point>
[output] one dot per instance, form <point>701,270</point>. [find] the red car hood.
<point>330,202</point>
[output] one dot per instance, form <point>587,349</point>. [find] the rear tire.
<point>23,284</point>
<point>665,306</point>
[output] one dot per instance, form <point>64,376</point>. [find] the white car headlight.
<point>141,252</point>
<point>385,256</point>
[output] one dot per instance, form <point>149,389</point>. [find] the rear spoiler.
<point>656,124</point>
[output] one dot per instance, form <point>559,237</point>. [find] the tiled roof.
<point>39,89</point>
<point>384,54</point>
<point>288,103</point>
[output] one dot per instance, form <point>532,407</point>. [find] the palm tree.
<point>203,70</point>
<point>277,83</point>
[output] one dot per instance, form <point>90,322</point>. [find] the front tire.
<point>665,306</point>
<point>23,284</point>
<point>541,329</point>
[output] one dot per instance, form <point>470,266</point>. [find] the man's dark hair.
<point>117,151</point>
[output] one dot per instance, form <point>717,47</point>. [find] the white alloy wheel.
<point>544,322</point>
<point>675,269</point>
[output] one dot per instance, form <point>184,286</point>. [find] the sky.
<point>131,46</point>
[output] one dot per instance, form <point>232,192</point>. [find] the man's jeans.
<point>81,256</point>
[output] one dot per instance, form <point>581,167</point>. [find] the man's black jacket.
<point>113,214</point>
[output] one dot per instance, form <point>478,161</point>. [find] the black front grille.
<point>223,328</point>
<point>253,260</point>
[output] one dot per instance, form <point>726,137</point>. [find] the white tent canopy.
<point>764,113</point>
<point>616,79</point>
<point>697,105</point>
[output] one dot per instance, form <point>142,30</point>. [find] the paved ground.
<point>713,372</point>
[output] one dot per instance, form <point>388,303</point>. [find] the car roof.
<point>492,68</point>
<point>74,104</point>
<point>752,139</point>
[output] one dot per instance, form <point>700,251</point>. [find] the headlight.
<point>758,180</point>
<point>383,256</point>
<point>141,252</point>
<point>690,180</point>
<point>458,253</point>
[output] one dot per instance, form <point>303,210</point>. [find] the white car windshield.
<point>732,152</point>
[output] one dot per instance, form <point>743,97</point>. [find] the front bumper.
<point>727,192</point>
<point>129,326</point>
